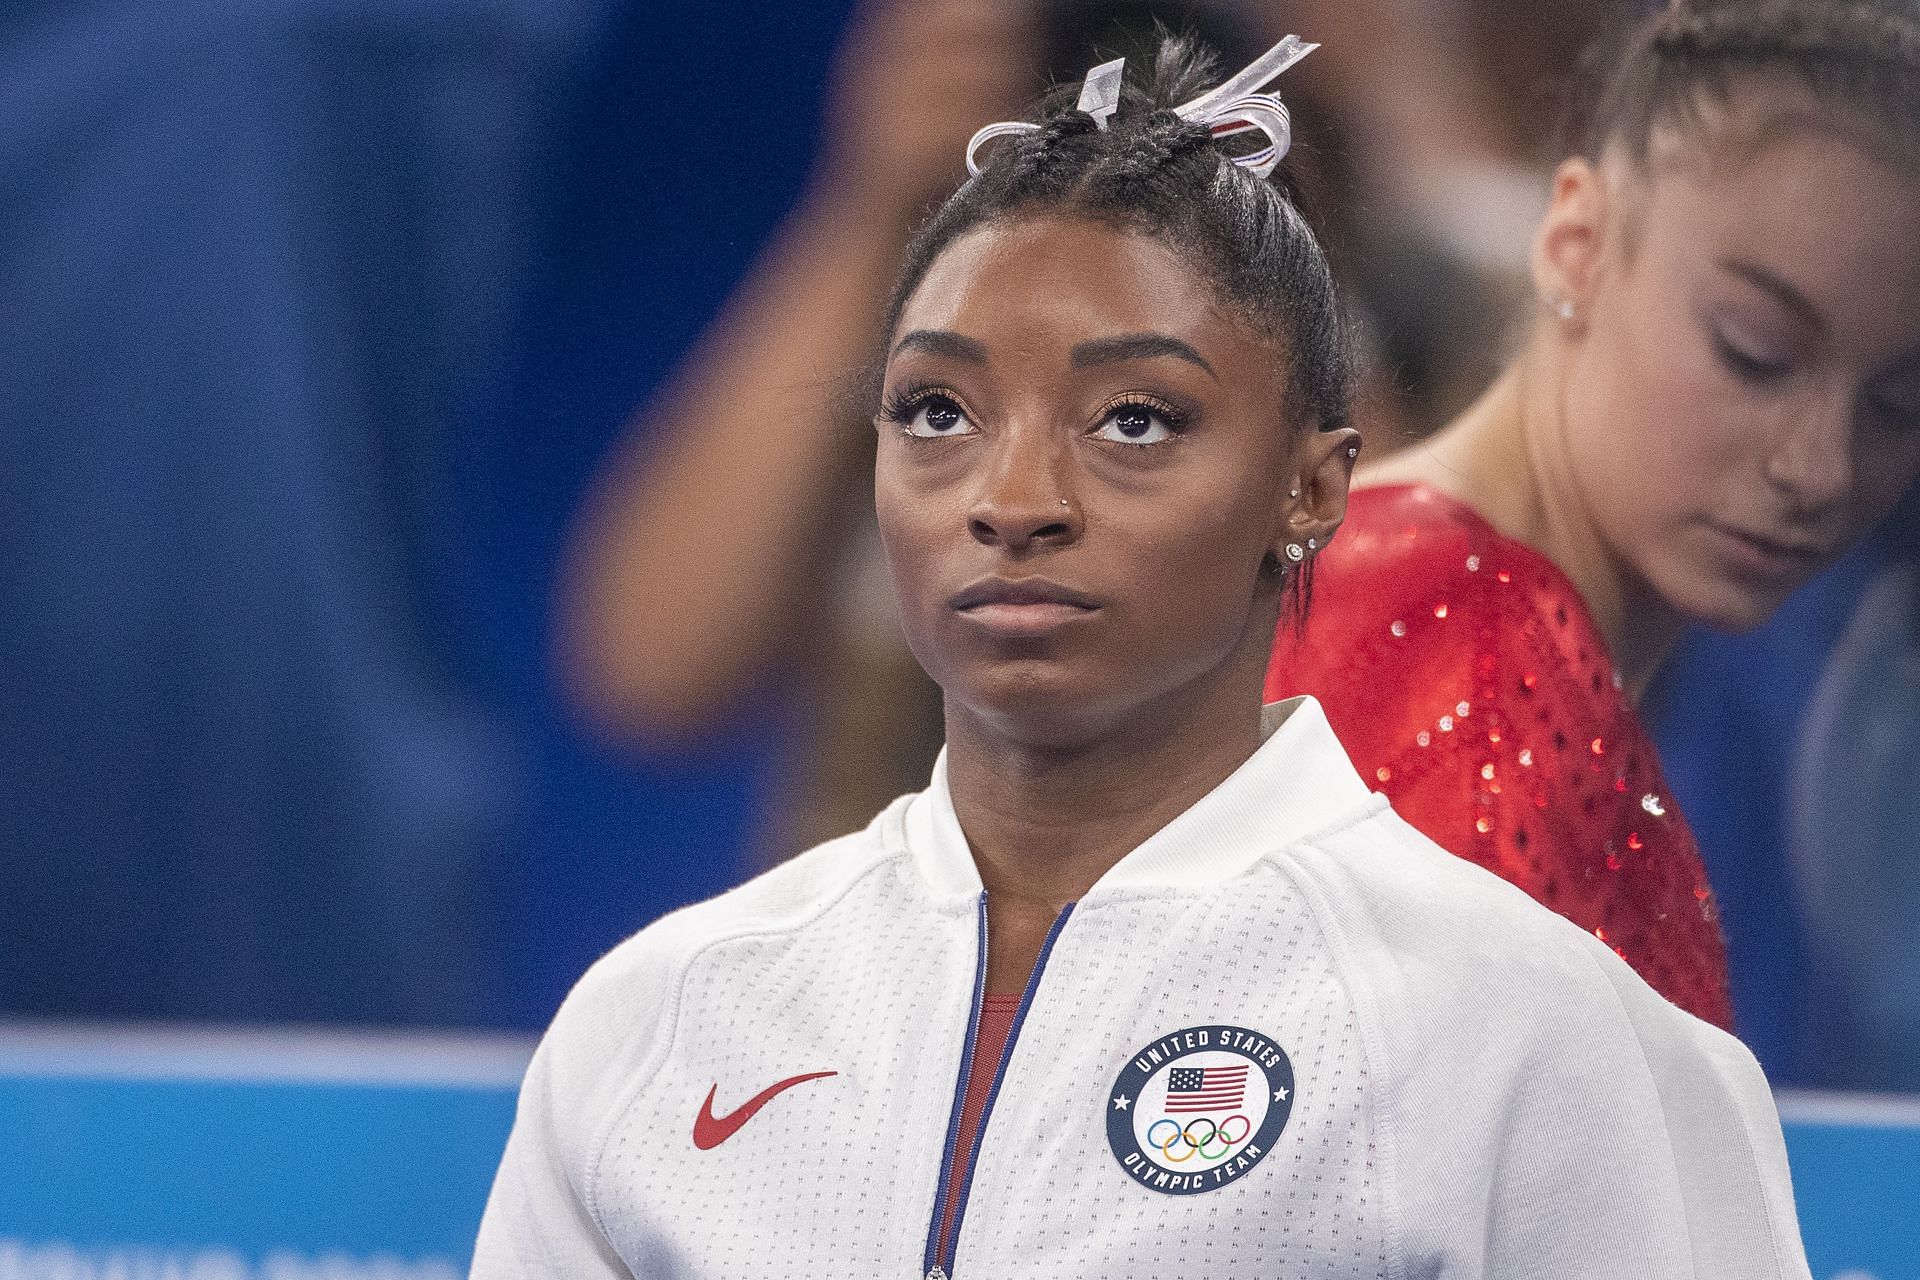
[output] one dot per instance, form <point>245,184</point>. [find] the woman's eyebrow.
<point>943,342</point>
<point>1137,346</point>
<point>1785,294</point>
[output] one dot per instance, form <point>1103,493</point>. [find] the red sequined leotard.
<point>1471,686</point>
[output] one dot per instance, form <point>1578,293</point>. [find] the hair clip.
<point>1237,106</point>
<point>1100,91</point>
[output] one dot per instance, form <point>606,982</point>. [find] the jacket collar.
<point>1297,784</point>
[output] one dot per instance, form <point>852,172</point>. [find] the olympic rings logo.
<point>1192,1146</point>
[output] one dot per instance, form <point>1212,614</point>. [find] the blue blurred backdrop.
<point>318,315</point>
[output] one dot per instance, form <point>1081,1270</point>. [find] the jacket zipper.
<point>938,1262</point>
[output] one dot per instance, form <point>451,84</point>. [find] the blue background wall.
<point>319,314</point>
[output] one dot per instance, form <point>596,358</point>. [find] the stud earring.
<point>1313,544</point>
<point>1562,307</point>
<point>1294,553</point>
<point>1293,493</point>
<point>1353,451</point>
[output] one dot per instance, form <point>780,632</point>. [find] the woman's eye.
<point>935,417</point>
<point>1134,424</point>
<point>1747,366</point>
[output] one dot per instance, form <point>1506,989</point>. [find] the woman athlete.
<point>1722,394</point>
<point>1145,983</point>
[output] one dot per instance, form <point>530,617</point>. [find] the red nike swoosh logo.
<point>709,1130</point>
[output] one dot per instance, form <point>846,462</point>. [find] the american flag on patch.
<point>1206,1088</point>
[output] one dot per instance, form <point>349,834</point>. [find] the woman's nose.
<point>1813,464</point>
<point>1025,495</point>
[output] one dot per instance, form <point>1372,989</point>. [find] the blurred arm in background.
<point>700,554</point>
<point>1852,819</point>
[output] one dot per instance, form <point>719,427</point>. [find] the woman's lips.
<point>1757,555</point>
<point>1016,607</point>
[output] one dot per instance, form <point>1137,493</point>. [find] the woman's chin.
<point>1734,608</point>
<point>1037,704</point>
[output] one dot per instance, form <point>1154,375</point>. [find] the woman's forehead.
<point>1056,280</point>
<point>1834,220</point>
<point>1724,135</point>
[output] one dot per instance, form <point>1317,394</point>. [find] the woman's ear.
<point>1326,462</point>
<point>1568,244</point>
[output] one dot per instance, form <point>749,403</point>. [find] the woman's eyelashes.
<point>926,413</point>
<point>1747,363</point>
<point>1138,422</point>
<point>1893,406</point>
<point>935,413</point>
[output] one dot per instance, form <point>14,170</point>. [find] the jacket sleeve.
<point>1593,1131</point>
<point>541,1220</point>
<point>537,1222</point>
<point>1720,1131</point>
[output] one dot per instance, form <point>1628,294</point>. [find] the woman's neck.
<point>1045,823</point>
<point>1507,458</point>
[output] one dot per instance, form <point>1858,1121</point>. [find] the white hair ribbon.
<point>1100,91</point>
<point>1237,106</point>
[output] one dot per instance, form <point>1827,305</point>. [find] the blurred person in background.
<point>1724,394</point>
<point>256,257</point>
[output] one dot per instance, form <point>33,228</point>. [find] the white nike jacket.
<point>1288,1036</point>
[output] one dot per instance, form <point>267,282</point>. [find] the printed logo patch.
<point>710,1130</point>
<point>1195,1110</point>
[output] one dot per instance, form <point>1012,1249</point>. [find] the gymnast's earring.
<point>1294,553</point>
<point>1563,308</point>
<point>1313,544</point>
<point>1294,493</point>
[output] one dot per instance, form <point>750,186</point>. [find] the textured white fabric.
<point>1480,1088</point>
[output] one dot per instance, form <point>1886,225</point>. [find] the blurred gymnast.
<point>1721,394</point>
<point>1145,982</point>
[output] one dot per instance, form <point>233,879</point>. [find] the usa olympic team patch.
<point>1195,1110</point>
